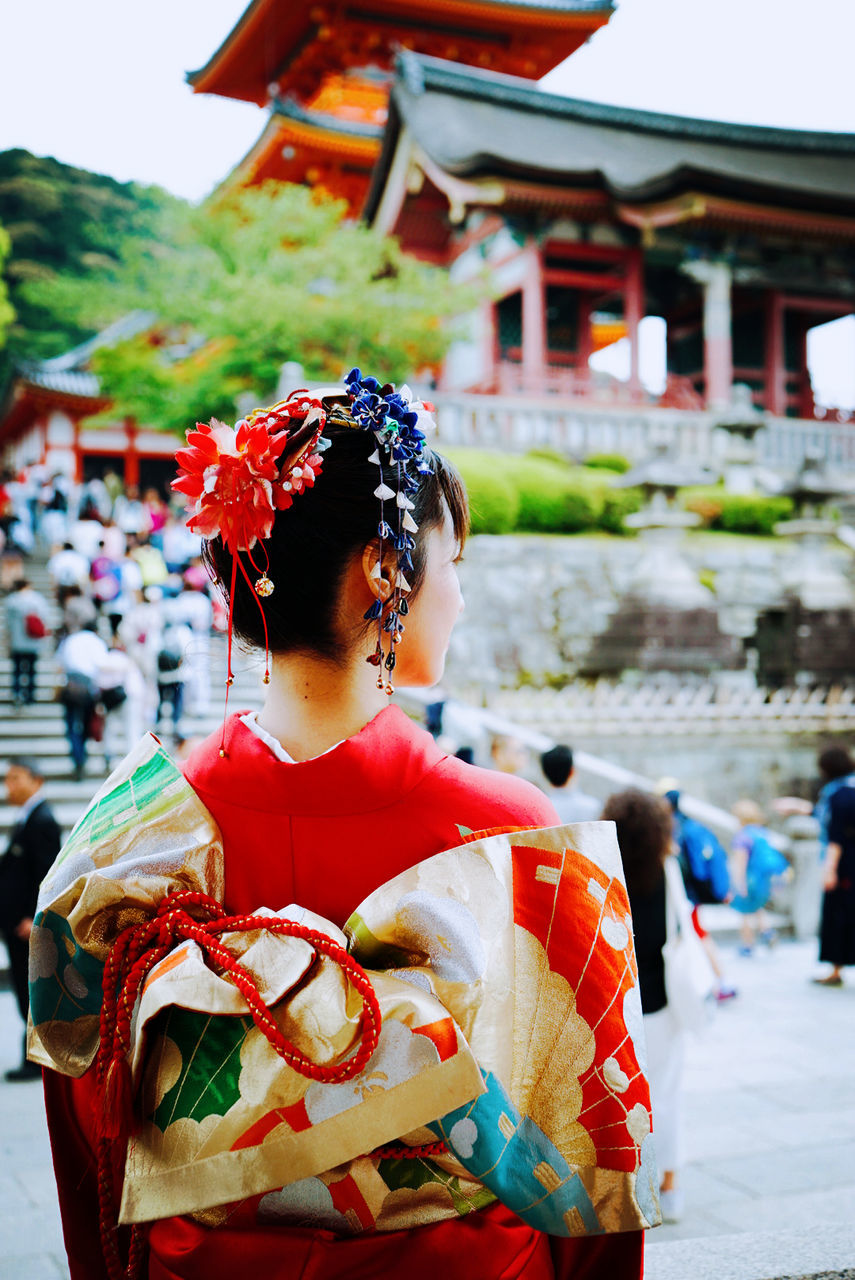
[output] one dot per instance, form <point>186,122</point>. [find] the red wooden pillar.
<point>78,452</point>
<point>805,386</point>
<point>132,457</point>
<point>585,342</point>
<point>633,305</point>
<point>488,379</point>
<point>775,372</point>
<point>534,322</point>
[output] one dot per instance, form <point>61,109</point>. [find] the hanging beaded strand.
<point>394,421</point>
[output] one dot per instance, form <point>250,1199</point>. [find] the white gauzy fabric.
<point>689,976</point>
<point>666,1054</point>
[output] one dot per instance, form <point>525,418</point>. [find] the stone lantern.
<point>813,578</point>
<point>740,422</point>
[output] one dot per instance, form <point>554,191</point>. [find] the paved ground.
<point>770,1178</point>
<point>770,1131</point>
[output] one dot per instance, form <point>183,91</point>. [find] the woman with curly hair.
<point>644,832</point>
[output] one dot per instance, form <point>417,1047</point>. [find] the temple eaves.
<point>517,133</point>
<point>285,41</point>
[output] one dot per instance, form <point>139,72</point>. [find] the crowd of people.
<point>132,613</point>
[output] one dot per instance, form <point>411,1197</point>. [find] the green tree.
<point>67,226</point>
<point>255,278</point>
<point>7,312</point>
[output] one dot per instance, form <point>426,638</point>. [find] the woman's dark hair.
<point>313,542</point>
<point>644,825</point>
<point>835,762</point>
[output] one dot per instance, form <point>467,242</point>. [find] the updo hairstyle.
<point>315,539</point>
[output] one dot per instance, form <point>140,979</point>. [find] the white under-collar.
<point>251,722</point>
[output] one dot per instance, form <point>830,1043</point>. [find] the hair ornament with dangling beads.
<point>398,424</point>
<point>237,478</point>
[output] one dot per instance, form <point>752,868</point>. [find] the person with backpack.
<point>80,658</point>
<point>172,671</point>
<point>26,621</point>
<point>756,864</point>
<point>703,863</point>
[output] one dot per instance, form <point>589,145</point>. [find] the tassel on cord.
<point>230,679</point>
<point>133,955</point>
<point>115,1116</point>
<point>260,610</point>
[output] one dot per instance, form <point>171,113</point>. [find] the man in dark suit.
<point>33,845</point>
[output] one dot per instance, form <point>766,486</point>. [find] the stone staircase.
<point>39,730</point>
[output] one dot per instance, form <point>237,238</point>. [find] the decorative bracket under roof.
<point>410,167</point>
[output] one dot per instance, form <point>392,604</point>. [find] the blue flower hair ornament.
<point>398,424</point>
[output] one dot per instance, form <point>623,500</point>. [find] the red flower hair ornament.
<point>237,478</point>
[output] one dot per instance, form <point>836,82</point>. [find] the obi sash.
<point>511,1030</point>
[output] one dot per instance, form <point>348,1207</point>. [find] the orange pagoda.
<point>324,70</point>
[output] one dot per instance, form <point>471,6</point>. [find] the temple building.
<point>585,217</point>
<point>740,237</point>
<point>323,70</point>
<point>45,411</point>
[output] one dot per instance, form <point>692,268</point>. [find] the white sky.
<point>100,84</point>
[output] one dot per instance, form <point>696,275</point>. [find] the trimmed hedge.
<point>608,462</point>
<point>756,513</point>
<point>549,500</point>
<point>494,500</point>
<point>536,494</point>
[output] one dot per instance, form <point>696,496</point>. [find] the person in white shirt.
<point>123,695</point>
<point>26,627</point>
<point>571,803</point>
<point>68,568</point>
<point>80,657</point>
<point>192,607</point>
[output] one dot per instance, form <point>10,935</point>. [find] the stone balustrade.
<point>519,423</point>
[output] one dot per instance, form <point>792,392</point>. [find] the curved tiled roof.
<point>75,383</point>
<point>474,124</point>
<point>291,110</point>
<point>421,74</point>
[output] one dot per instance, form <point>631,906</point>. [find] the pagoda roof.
<point>270,35</point>
<point>512,130</point>
<point>289,109</point>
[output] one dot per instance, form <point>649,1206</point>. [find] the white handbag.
<point>689,977</point>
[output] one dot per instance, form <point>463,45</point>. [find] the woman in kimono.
<point>320,798</point>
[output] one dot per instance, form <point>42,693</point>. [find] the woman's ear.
<point>378,572</point>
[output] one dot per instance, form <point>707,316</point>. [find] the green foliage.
<point>493,497</point>
<point>7,312</point>
<point>617,505</point>
<point>707,501</point>
<point>549,501</point>
<point>753,513</point>
<point>537,495</point>
<point>608,462</point>
<point>544,454</point>
<point>67,225</point>
<point>264,276</point>
<point>737,512</point>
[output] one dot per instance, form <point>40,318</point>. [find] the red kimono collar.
<point>386,759</point>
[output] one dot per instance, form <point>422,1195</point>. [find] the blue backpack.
<point>703,861</point>
<point>764,861</point>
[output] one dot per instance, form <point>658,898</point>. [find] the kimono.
<point>373,844</point>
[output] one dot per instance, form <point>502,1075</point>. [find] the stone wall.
<point>537,608</point>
